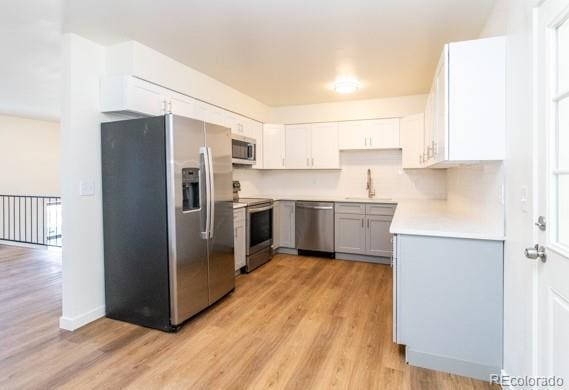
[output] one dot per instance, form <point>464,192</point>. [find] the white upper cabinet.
<point>324,141</point>
<point>412,142</point>
<point>273,146</point>
<point>131,94</point>
<point>465,112</point>
<point>369,134</point>
<point>312,146</point>
<point>383,133</point>
<point>352,135</point>
<point>298,140</point>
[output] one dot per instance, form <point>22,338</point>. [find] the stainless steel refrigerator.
<point>167,218</point>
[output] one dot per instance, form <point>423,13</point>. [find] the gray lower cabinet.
<point>363,229</point>
<point>284,224</point>
<point>350,233</point>
<point>239,236</point>
<point>378,239</point>
<point>448,303</point>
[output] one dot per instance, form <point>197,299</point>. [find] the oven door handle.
<point>258,210</point>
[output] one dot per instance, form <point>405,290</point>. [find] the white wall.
<point>133,58</point>
<point>348,110</point>
<point>29,156</point>
<point>83,280</point>
<point>390,181</point>
<point>513,17</point>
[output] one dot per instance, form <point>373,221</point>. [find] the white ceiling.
<point>30,38</point>
<point>285,52</point>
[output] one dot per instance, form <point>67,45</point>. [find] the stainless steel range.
<point>259,231</point>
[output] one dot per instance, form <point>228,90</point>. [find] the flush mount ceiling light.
<point>346,86</point>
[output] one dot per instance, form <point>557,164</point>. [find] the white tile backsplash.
<point>389,179</point>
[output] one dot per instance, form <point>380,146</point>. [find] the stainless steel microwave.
<point>244,150</point>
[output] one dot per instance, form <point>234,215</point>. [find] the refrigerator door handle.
<point>204,155</point>
<point>211,205</point>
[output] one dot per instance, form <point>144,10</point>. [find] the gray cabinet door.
<point>350,234</point>
<point>378,238</point>
<point>287,226</point>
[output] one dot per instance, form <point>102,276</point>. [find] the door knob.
<point>536,252</point>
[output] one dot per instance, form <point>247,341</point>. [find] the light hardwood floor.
<point>297,322</point>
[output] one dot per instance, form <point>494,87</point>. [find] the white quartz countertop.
<point>237,205</point>
<point>327,198</point>
<point>437,218</point>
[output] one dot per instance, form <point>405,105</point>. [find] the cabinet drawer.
<point>350,208</point>
<point>380,209</point>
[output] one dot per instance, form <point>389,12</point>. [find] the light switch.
<point>86,188</point>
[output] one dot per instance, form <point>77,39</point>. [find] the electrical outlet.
<point>86,188</point>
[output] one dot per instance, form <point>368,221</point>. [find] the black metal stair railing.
<point>31,219</point>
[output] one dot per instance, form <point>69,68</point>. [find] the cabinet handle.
<point>312,161</point>
<point>368,223</point>
<point>370,141</point>
<point>365,141</point>
<point>362,223</point>
<point>307,161</point>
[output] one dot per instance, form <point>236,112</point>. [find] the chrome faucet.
<point>369,185</point>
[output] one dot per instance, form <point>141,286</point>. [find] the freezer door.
<point>187,209</point>
<point>220,245</point>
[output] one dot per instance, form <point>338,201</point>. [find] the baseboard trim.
<point>288,251</point>
<point>74,323</point>
<point>364,258</point>
<point>450,365</point>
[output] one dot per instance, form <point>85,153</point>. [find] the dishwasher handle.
<point>315,207</point>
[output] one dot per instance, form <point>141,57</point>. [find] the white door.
<point>353,135</point>
<point>273,146</point>
<point>325,152</point>
<point>297,146</point>
<point>383,134</point>
<point>552,188</point>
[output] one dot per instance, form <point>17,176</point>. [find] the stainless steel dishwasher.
<point>315,226</point>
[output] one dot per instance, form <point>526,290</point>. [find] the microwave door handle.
<point>204,161</point>
<point>211,204</point>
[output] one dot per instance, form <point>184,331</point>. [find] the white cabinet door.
<point>298,146</point>
<point>440,117</point>
<point>324,140</point>
<point>350,233</point>
<point>383,134</point>
<point>287,223</point>
<point>273,146</point>
<point>239,236</point>
<point>429,124</point>
<point>216,115</point>
<point>144,98</point>
<point>352,135</point>
<point>412,132</point>
<point>181,105</point>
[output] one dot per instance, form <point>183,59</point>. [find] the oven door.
<point>259,228</point>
